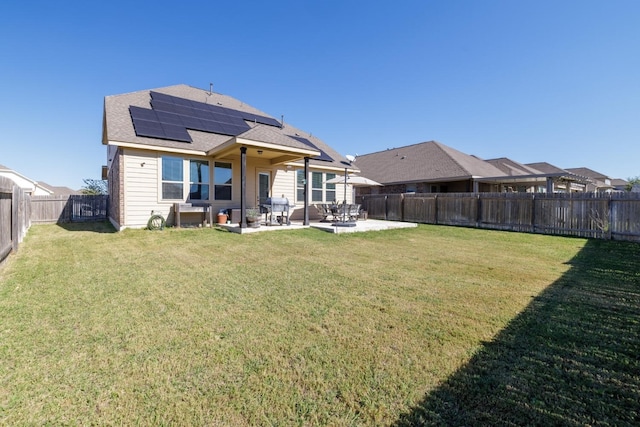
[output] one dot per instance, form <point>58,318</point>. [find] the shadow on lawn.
<point>95,226</point>
<point>572,357</point>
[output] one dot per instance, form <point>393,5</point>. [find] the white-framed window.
<point>330,189</point>
<point>198,180</point>
<point>222,181</point>
<point>300,181</point>
<point>179,173</point>
<point>317,187</point>
<point>320,191</point>
<point>172,178</point>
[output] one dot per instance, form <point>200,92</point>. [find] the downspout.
<point>243,187</point>
<point>306,191</point>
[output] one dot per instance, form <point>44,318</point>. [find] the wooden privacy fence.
<point>70,208</point>
<point>14,216</point>
<point>595,215</point>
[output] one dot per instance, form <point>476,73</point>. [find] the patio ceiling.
<point>276,154</point>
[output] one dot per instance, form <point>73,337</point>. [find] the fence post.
<point>435,208</point>
<point>478,210</point>
<point>608,233</point>
<point>533,212</point>
<point>386,207</point>
<point>15,218</point>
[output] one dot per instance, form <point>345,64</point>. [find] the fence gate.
<point>88,208</point>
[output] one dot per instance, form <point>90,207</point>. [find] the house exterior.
<point>180,144</point>
<point>427,167</point>
<point>57,190</point>
<point>432,167</point>
<point>534,177</point>
<point>598,182</point>
<point>620,184</point>
<point>29,186</point>
<point>517,177</point>
<point>561,180</point>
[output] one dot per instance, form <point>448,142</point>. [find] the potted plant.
<point>253,217</point>
<point>222,216</point>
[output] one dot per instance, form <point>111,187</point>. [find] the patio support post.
<point>243,187</point>
<point>306,191</point>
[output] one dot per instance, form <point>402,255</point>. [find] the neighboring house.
<point>432,167</point>
<point>598,182</point>
<point>535,177</point>
<point>30,186</point>
<point>620,184</point>
<point>427,167</point>
<point>181,144</point>
<point>58,190</point>
<point>560,180</point>
<point>517,177</point>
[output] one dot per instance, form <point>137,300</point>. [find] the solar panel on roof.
<point>323,155</point>
<point>168,99</point>
<point>146,123</point>
<point>143,113</point>
<point>164,117</point>
<point>171,116</point>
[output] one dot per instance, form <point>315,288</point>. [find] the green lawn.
<point>434,325</point>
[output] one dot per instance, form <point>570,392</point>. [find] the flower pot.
<point>253,221</point>
<point>222,218</point>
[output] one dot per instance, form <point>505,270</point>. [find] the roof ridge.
<point>399,148</point>
<point>441,147</point>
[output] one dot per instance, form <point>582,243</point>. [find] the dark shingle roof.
<point>426,161</point>
<point>58,190</point>
<point>589,173</point>
<point>512,168</point>
<point>118,125</point>
<point>547,168</point>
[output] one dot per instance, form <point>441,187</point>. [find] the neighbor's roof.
<point>423,162</point>
<point>597,179</point>
<point>58,190</point>
<point>547,168</point>
<point>512,168</point>
<point>589,173</point>
<point>118,127</point>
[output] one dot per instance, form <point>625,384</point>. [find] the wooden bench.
<point>202,207</point>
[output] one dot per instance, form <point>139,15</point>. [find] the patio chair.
<point>353,212</point>
<point>323,210</point>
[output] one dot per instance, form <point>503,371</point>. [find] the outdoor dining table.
<point>342,212</point>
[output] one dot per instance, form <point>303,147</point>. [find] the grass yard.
<point>434,326</point>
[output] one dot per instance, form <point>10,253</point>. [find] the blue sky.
<point>536,81</point>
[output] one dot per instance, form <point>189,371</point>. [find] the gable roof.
<point>423,162</point>
<point>251,125</point>
<point>589,173</point>
<point>597,180</point>
<point>547,168</point>
<point>58,190</point>
<point>620,184</point>
<point>512,168</point>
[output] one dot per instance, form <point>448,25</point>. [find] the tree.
<point>632,181</point>
<point>94,187</point>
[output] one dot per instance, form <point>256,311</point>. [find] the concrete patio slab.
<point>360,226</point>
